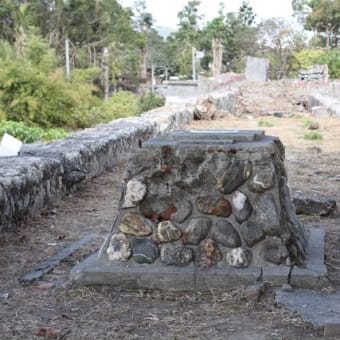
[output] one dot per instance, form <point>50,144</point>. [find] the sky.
<point>165,11</point>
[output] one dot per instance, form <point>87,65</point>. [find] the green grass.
<point>313,136</point>
<point>296,116</point>
<point>265,123</point>
<point>309,124</point>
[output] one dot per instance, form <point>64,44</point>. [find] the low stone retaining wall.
<point>45,172</point>
<point>322,104</point>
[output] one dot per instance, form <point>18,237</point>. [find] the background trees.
<point>112,47</point>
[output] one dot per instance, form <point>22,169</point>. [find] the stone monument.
<point>197,204</point>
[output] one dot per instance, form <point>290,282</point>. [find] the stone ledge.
<point>328,103</point>
<point>322,310</point>
<point>97,271</point>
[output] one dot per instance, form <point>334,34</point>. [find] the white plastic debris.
<point>9,146</point>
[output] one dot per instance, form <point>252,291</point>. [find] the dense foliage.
<point>111,48</point>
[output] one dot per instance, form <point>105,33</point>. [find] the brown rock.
<point>135,224</point>
<point>208,254</point>
<point>214,205</point>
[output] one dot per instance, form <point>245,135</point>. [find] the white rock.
<point>119,248</point>
<point>135,192</point>
<point>239,199</point>
<point>238,257</point>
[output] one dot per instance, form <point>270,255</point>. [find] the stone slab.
<point>257,69</point>
<point>96,270</point>
<point>133,276</point>
<point>322,310</point>
<point>208,137</point>
<point>46,266</point>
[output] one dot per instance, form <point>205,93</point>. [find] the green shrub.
<point>332,59</point>
<point>53,134</point>
<point>149,102</point>
<point>33,90</point>
<point>264,123</point>
<point>306,58</point>
<point>21,131</point>
<point>121,104</point>
<point>28,134</point>
<point>313,136</point>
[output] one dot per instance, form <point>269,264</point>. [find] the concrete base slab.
<point>320,309</point>
<point>97,270</point>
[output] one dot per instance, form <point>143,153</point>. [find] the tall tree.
<point>143,22</point>
<point>278,41</point>
<point>186,38</point>
<point>321,16</point>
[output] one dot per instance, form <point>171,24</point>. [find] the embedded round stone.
<point>176,255</point>
<point>239,258</point>
<point>263,178</point>
<point>251,233</point>
<point>197,230</point>
<point>213,205</point>
<point>168,232</point>
<point>119,248</point>
<point>224,233</point>
<point>144,250</point>
<point>266,215</point>
<point>135,224</point>
<point>135,192</point>
<point>241,206</point>
<point>237,173</point>
<point>184,210</point>
<point>207,254</point>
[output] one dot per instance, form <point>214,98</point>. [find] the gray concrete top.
<point>208,137</point>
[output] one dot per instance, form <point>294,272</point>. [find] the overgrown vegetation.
<point>265,123</point>
<point>310,124</point>
<point>150,101</point>
<point>28,134</point>
<point>296,116</point>
<point>313,136</point>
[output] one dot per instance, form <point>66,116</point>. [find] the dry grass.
<point>66,312</point>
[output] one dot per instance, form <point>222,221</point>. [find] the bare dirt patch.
<point>52,308</point>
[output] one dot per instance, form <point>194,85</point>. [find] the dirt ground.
<point>52,308</point>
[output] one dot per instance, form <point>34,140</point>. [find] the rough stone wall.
<point>209,198</point>
<point>319,100</point>
<point>334,89</point>
<point>315,73</point>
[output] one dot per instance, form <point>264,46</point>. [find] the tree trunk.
<point>143,68</point>
<point>217,57</point>
<point>106,72</point>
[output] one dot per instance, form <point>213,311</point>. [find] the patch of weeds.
<point>296,116</point>
<point>265,123</point>
<point>312,125</point>
<point>313,136</point>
